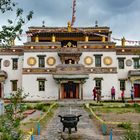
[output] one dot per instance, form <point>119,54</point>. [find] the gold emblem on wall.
<point>107,60</point>
<point>51,61</point>
<point>31,61</point>
<point>6,63</point>
<point>88,60</point>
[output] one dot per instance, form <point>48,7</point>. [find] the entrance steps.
<point>71,102</point>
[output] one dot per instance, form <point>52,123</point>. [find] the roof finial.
<point>43,23</point>
<point>96,23</point>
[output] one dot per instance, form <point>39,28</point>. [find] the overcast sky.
<point>122,16</point>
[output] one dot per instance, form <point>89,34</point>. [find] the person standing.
<point>94,93</point>
<point>98,95</point>
<point>132,93</point>
<point>122,96</point>
<point>113,93</point>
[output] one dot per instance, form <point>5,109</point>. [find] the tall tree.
<point>13,29</point>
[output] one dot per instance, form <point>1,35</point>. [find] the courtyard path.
<point>86,128</point>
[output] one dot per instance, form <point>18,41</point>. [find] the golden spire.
<point>69,27</point>
<point>123,41</point>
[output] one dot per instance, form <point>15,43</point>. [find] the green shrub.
<point>136,105</point>
<point>125,125</point>
<point>137,109</point>
<point>127,105</point>
<point>39,106</point>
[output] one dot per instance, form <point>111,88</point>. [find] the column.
<point>81,90</point>
<point>59,89</point>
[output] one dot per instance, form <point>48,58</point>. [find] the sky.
<point>122,16</point>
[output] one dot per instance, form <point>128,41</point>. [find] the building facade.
<point>67,63</point>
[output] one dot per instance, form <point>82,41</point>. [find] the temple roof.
<point>64,29</point>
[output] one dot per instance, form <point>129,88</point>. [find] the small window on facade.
<point>136,63</point>
<point>98,83</point>
<point>121,63</point>
<point>41,85</point>
<point>14,85</point>
<point>122,84</point>
<point>41,61</point>
<point>0,63</point>
<point>98,61</point>
<point>15,64</point>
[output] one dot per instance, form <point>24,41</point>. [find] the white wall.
<point>108,81</point>
<point>30,85</point>
<point>34,54</point>
<point>12,74</point>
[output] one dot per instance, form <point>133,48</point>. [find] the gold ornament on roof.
<point>107,60</point>
<point>88,60</point>
<point>123,42</point>
<point>31,61</point>
<point>69,27</point>
<point>51,61</point>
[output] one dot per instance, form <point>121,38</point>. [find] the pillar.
<point>86,38</point>
<point>81,90</point>
<point>103,39</point>
<point>37,39</point>
<point>53,38</point>
<point>59,90</point>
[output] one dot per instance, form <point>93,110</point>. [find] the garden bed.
<point>119,117</point>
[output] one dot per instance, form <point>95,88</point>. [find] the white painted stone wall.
<point>104,54</point>
<point>108,81</point>
<point>30,85</point>
<point>12,74</point>
<point>35,54</point>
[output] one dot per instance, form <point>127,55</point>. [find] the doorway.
<point>137,90</point>
<point>0,91</point>
<point>70,90</point>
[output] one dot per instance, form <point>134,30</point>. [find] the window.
<point>98,83</point>
<point>41,85</point>
<point>0,63</point>
<point>136,63</point>
<point>41,61</point>
<point>97,60</point>
<point>122,84</point>
<point>14,85</point>
<point>121,63</point>
<point>15,63</point>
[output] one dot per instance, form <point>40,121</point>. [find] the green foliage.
<point>13,30</point>
<point>10,122</point>
<point>132,135</point>
<point>136,105</point>
<point>42,107</point>
<point>125,125</point>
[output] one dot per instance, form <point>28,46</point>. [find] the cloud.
<point>122,16</point>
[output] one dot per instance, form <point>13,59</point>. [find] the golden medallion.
<point>107,60</point>
<point>51,61</point>
<point>31,61</point>
<point>88,60</point>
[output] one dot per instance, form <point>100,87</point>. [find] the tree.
<point>13,30</point>
<point>10,123</point>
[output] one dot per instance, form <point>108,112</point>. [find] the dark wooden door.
<point>137,90</point>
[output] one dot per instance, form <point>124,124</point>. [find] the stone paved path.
<point>86,128</point>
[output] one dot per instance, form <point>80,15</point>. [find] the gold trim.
<point>51,61</point>
<point>107,60</point>
<point>88,60</point>
<point>31,61</point>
